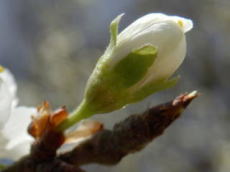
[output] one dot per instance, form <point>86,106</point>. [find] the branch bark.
<point>106,147</point>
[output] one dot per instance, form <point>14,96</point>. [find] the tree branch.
<point>131,135</point>
<point>106,147</point>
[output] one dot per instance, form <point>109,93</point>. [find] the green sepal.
<point>109,91</point>
<point>114,29</point>
<point>134,66</point>
<point>154,87</point>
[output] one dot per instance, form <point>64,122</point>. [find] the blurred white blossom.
<point>8,95</point>
<point>14,140</point>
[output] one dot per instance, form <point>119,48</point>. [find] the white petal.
<point>186,24</point>
<point>17,141</point>
<point>151,19</point>
<point>70,146</point>
<point>7,95</point>
<point>14,153</point>
<point>83,131</point>
<point>8,78</point>
<point>167,62</point>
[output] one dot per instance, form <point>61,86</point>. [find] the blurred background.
<point>51,47</point>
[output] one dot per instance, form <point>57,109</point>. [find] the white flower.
<point>138,62</point>
<point>14,140</point>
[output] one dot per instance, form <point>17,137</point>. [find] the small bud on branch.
<point>137,63</point>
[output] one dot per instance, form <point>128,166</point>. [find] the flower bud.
<point>138,62</point>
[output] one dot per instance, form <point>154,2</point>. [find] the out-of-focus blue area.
<point>51,46</point>
<point>6,161</point>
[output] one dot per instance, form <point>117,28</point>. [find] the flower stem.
<point>82,111</point>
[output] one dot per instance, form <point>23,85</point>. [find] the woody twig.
<point>106,147</point>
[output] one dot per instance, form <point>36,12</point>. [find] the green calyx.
<point>108,88</point>
<point>154,87</point>
<point>134,66</point>
<point>114,29</point>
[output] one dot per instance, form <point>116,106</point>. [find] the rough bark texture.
<point>106,147</point>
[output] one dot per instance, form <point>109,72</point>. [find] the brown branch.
<point>129,136</point>
<point>106,147</point>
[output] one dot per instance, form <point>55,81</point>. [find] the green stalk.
<point>82,111</point>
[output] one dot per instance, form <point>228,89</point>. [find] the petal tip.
<point>185,23</point>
